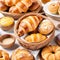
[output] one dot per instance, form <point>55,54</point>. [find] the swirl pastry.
<point>21,6</point>
<point>53,8</point>
<point>4,55</point>
<point>3,7</point>
<point>28,24</point>
<point>35,38</point>
<point>51,53</point>
<point>22,54</point>
<point>46,27</point>
<point>59,11</point>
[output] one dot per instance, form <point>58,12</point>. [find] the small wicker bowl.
<point>33,45</point>
<point>9,45</point>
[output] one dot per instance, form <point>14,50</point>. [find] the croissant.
<point>28,24</point>
<point>3,7</point>
<point>35,38</point>
<point>11,2</point>
<point>21,6</point>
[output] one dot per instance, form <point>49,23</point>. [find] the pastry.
<point>3,7</point>
<point>45,1</point>
<point>21,6</point>
<point>7,40</point>
<point>46,27</point>
<point>6,23</point>
<point>4,55</point>
<point>22,54</point>
<point>11,2</point>
<point>51,53</point>
<point>57,39</point>
<point>59,11</point>
<point>35,38</point>
<point>34,6</point>
<point>53,8</point>
<point>28,24</point>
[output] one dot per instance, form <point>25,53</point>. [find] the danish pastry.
<point>4,55</point>
<point>51,53</point>
<point>3,7</point>
<point>28,24</point>
<point>53,8</point>
<point>35,37</point>
<point>22,54</point>
<point>46,27</point>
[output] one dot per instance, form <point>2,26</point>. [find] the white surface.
<point>35,53</point>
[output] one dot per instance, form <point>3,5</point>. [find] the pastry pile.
<point>18,6</point>
<point>36,27</point>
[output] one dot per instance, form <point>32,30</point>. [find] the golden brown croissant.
<point>35,38</point>
<point>28,24</point>
<point>21,6</point>
<point>11,2</point>
<point>4,55</point>
<point>3,7</point>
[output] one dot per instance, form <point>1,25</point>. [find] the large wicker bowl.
<point>32,46</point>
<point>17,15</point>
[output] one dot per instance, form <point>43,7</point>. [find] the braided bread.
<point>28,24</point>
<point>51,53</point>
<point>21,6</point>
<point>4,55</point>
<point>35,38</point>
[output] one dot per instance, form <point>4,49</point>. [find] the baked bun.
<point>28,24</point>
<point>53,8</point>
<point>46,27</point>
<point>51,53</point>
<point>3,7</point>
<point>4,55</point>
<point>37,37</point>
<point>22,54</point>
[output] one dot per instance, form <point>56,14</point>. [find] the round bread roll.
<point>51,52</point>
<point>46,27</point>
<point>22,54</point>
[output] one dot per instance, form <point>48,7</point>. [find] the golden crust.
<point>22,54</point>
<point>51,53</point>
<point>4,55</point>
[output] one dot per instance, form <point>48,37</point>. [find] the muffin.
<point>6,23</point>
<point>46,27</point>
<point>22,54</point>
<point>53,8</point>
